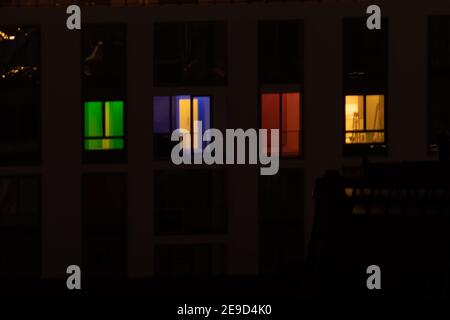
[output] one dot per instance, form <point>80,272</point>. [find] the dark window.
<point>280,52</point>
<point>104,207</point>
<point>438,80</point>
<point>190,201</point>
<point>365,56</point>
<point>189,260</point>
<point>104,61</point>
<point>193,53</point>
<point>365,86</point>
<point>281,217</point>
<point>20,239</point>
<point>104,92</point>
<point>180,112</point>
<point>19,94</point>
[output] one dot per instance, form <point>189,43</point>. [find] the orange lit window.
<point>364,119</point>
<point>282,111</point>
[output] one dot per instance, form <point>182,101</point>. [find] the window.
<point>365,81</point>
<point>280,52</point>
<point>281,208</point>
<point>104,68</point>
<point>282,111</point>
<point>104,78</point>
<point>180,112</point>
<point>19,94</point>
<point>193,53</point>
<point>20,236</point>
<point>364,119</point>
<point>365,56</point>
<point>438,80</point>
<point>200,205</point>
<point>104,224</point>
<point>103,125</point>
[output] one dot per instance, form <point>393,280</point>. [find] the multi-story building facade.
<point>85,124</point>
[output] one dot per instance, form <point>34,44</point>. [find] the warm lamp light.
<point>352,108</point>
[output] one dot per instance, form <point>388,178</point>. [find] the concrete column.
<point>140,150</point>
<point>242,113</point>
<point>61,147</point>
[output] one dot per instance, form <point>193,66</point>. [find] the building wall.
<point>235,106</point>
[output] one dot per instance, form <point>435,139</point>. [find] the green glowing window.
<point>103,125</point>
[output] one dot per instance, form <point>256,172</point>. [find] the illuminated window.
<point>282,111</point>
<point>181,112</point>
<point>364,119</point>
<point>103,125</point>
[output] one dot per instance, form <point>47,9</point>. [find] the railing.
<point>392,216</point>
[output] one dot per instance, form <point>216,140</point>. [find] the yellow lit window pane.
<point>354,119</point>
<point>375,137</point>
<point>364,137</point>
<point>184,109</point>
<point>354,113</point>
<point>375,112</point>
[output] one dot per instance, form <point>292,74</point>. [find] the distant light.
<point>12,37</point>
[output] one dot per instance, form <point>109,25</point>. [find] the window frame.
<point>171,105</point>
<point>93,231</point>
<point>372,85</point>
<point>362,149</point>
<point>278,23</point>
<point>432,144</point>
<point>32,157</point>
<point>365,130</point>
<point>214,176</point>
<point>187,27</point>
<point>18,179</point>
<point>282,90</point>
<point>103,136</point>
<point>104,155</point>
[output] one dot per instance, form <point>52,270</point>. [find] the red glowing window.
<point>282,111</point>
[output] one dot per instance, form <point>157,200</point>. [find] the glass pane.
<point>8,196</point>
<point>93,119</point>
<point>270,114</point>
<point>29,196</point>
<point>375,137</point>
<point>93,144</point>
<point>161,115</point>
<point>290,104</point>
<point>354,115</point>
<point>201,112</point>
<point>364,137</point>
<point>375,112</point>
<point>113,144</point>
<point>182,116</point>
<point>114,118</point>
